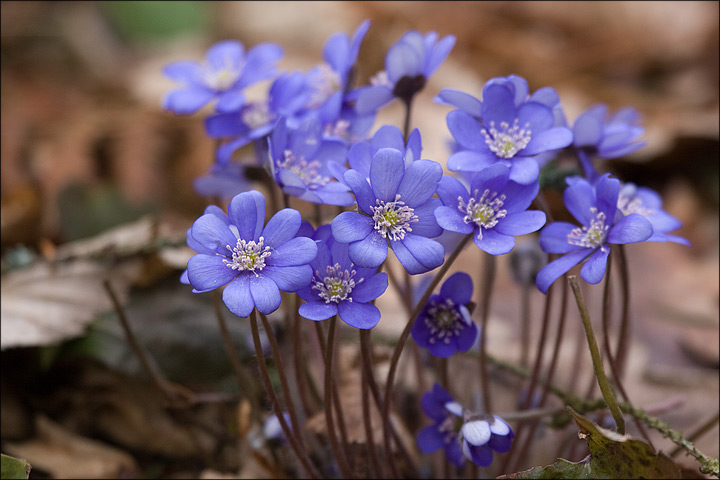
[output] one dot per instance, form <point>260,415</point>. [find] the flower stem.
<point>403,338</point>
<point>310,470</point>
<point>367,419</point>
<point>489,280</point>
<point>602,380</point>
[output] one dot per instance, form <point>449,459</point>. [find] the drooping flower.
<point>505,127</point>
<point>339,287</point>
<point>299,163</point>
<point>596,135</point>
<point>444,325</point>
<point>408,65</point>
<point>648,203</point>
<point>253,262</point>
<point>602,224</point>
<point>481,434</point>
<point>463,434</point>
<point>494,212</point>
<point>227,71</point>
<point>395,209</point>
<point>443,433</point>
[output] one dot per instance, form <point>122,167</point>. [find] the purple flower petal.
<point>402,60</point>
<point>359,315</point>
<point>428,252</point>
<point>260,63</point>
<point>411,264</point>
<point>630,229</point>
<point>230,101</point>
<point>593,270</point>
<point>184,71</point>
<point>606,192</point>
<point>237,297</point>
<point>498,105</point>
<point>449,189</point>
<point>188,100</point>
<point>481,456</point>
<point>467,337</point>
<point>296,251</point>
<point>265,294</point>
<point>430,439</point>
<point>494,243</point>
<point>419,182</point>
<point>451,219</point>
<point>283,226</point>
<point>579,199</point>
<point>351,227</point>
<point>439,53</point>
<point>554,238</point>
<point>524,170</point>
<point>318,310</point>
<point>470,160</point>
<point>493,178</point>
<point>224,54</point>
<point>552,139</point>
<point>370,288</point>
<point>369,252</point>
<point>588,128</point>
<point>212,233</point>
<point>427,226</point>
<point>466,130</point>
<point>499,443</point>
<point>521,223</point>
<point>461,100</point>
<point>557,268</point>
<point>361,188</point>
<point>373,97</point>
<point>458,287</point>
<point>518,197</point>
<point>247,212</point>
<point>208,272</point>
<point>386,173</point>
<point>537,117</point>
<point>289,279</point>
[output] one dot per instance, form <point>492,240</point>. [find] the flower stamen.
<point>485,211</point>
<point>248,256</point>
<point>507,141</point>
<point>592,236</point>
<point>337,285</point>
<point>307,171</point>
<point>393,219</point>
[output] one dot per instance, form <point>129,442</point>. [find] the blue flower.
<point>300,163</point>
<point>338,287</point>
<point>494,212</point>
<point>596,135</point>
<point>227,71</point>
<point>505,127</point>
<point>602,224</point>
<point>481,435</point>
<point>444,325</point>
<point>395,209</point>
<point>646,202</point>
<point>443,433</point>
<point>408,65</point>
<point>254,263</point>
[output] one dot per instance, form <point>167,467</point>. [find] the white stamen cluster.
<point>307,171</point>
<point>337,285</point>
<point>592,236</point>
<point>338,129</point>
<point>485,211</point>
<point>325,84</point>
<point>393,219</point>
<point>628,204</point>
<point>443,320</point>
<point>507,141</point>
<point>381,79</point>
<point>224,78</point>
<point>248,255</point>
<point>257,114</point>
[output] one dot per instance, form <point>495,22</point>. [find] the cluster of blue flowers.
<point>312,133</point>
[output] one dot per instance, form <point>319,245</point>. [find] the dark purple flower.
<point>602,224</point>
<point>505,127</point>
<point>408,65</point>
<point>338,287</point>
<point>443,433</point>
<point>299,161</point>
<point>596,135</point>
<point>646,202</point>
<point>494,212</point>
<point>395,209</point>
<point>444,325</point>
<point>227,71</point>
<point>254,263</point>
<point>481,435</point>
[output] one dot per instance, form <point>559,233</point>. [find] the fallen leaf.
<point>14,468</point>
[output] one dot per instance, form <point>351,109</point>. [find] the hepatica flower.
<point>494,211</point>
<point>597,135</point>
<point>646,202</point>
<point>227,71</point>
<point>444,325</point>
<point>505,127</point>
<point>462,433</point>
<point>339,287</point>
<point>395,210</point>
<point>253,262</point>
<point>408,65</point>
<point>601,225</point>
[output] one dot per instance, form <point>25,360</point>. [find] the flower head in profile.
<point>395,210</point>
<point>506,127</point>
<point>463,434</point>
<point>253,262</point>
<point>338,287</point>
<point>408,65</point>
<point>300,161</point>
<point>444,325</point>
<point>648,203</point>
<point>602,224</point>
<point>595,134</point>
<point>494,211</point>
<point>227,71</point>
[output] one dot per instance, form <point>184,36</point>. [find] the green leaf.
<point>611,456</point>
<point>11,467</point>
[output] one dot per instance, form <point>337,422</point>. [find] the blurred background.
<point>86,147</point>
